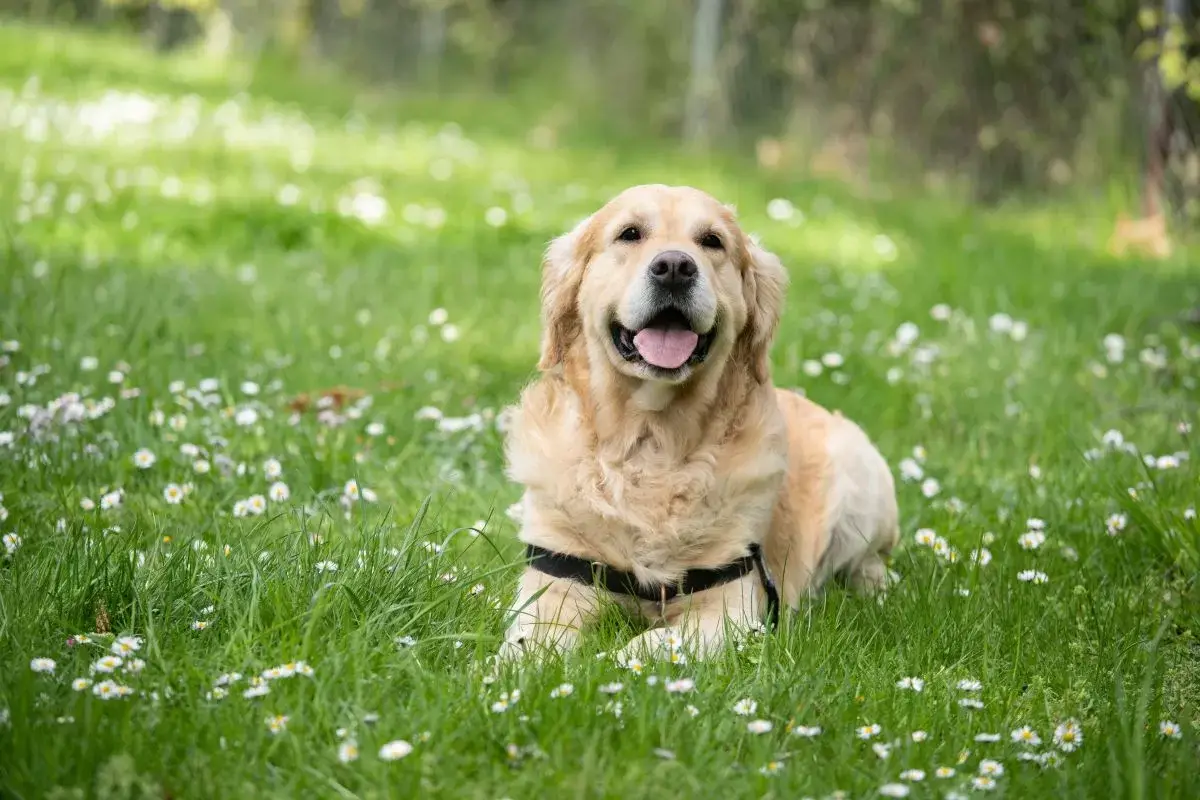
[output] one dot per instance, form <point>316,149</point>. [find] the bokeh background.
<point>989,98</point>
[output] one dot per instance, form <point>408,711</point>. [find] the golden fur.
<point>662,476</point>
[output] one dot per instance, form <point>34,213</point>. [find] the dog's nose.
<point>673,270</point>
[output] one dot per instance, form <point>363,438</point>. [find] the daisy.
<point>278,492</point>
<point>759,726</point>
<point>256,504</point>
<point>918,736</point>
<point>635,666</point>
<point>106,664</point>
<point>217,693</point>
<point>562,690</point>
<point>1068,736</point>
<point>393,751</point>
<point>982,557</point>
<point>201,466</point>
<point>692,711</point>
<point>1170,730</point>
<point>124,645</point>
<point>868,731</point>
<point>969,685</point>
<point>173,494</point>
<point>246,417</point>
<point>771,767</point>
<point>971,703</point>
<point>1031,540</point>
<point>347,751</point>
<point>1116,523</point>
<point>745,707</point>
<point>12,542</point>
<point>134,665</point>
<point>925,537</point>
<point>989,738</point>
<point>930,487</point>
<point>272,469</point>
<point>258,688</point>
<point>806,731</point>
<point>351,490</point>
<point>277,724</point>
<point>883,751</point>
<point>611,688</point>
<point>110,500</point>
<point>681,685</point>
<point>915,684</point>
<point>983,783</point>
<point>1025,735</point>
<point>81,684</point>
<point>912,775</point>
<point>227,679</point>
<point>199,625</point>
<point>894,790</point>
<point>1032,576</point>
<point>993,769</point>
<point>944,772</point>
<point>326,566</point>
<point>144,459</point>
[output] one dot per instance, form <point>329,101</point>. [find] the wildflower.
<point>868,731</point>
<point>404,641</point>
<point>326,566</point>
<point>1025,735</point>
<point>918,736</point>
<point>1032,576</point>
<point>256,504</point>
<point>635,665</point>
<point>277,724</point>
<point>347,751</point>
<point>106,664</point>
<point>1170,730</point>
<point>806,731</point>
<point>771,767</point>
<point>438,317</point>
<point>81,684</point>
<point>144,459</point>
<point>258,688</point>
<point>199,625</point>
<point>110,500</point>
<point>107,690</point>
<point>971,703</point>
<point>745,707</point>
<point>1068,736</point>
<point>1116,523</point>
<point>12,542</point>
<point>833,360</point>
<point>227,679</point>
<point>173,494</point>
<point>44,665</point>
<point>930,487</point>
<point>692,711</point>
<point>993,769</point>
<point>969,685</point>
<point>944,772</point>
<point>201,466</point>
<point>1031,540</point>
<point>759,726</point>
<point>87,504</point>
<point>983,783</point>
<point>914,684</point>
<point>393,751</point>
<point>272,469</point>
<point>894,790</point>
<point>245,417</point>
<point>611,688</point>
<point>278,492</point>
<point>987,737</point>
<point>562,690</point>
<point>925,537</point>
<point>681,685</point>
<point>912,775</point>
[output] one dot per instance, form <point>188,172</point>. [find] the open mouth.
<point>667,341</point>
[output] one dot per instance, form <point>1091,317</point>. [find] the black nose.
<point>673,270</point>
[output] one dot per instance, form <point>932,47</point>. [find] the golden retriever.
<point>653,441</point>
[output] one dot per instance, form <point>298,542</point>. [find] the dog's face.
<point>663,286</point>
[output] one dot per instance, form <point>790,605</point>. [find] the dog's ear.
<point>764,283</point>
<point>562,272</point>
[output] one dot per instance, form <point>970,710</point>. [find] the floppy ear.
<point>562,272</point>
<point>765,284</point>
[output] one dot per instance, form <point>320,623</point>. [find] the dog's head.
<point>661,285</point>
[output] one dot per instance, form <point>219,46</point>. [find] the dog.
<point>653,446</point>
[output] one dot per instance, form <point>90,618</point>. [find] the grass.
<point>189,230</point>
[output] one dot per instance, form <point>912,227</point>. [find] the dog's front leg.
<point>698,625</point>
<point>548,614</point>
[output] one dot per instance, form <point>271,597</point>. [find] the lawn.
<point>257,339</point>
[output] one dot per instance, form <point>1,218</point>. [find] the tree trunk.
<point>704,85</point>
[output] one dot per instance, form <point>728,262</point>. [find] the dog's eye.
<point>630,234</point>
<point>712,241</point>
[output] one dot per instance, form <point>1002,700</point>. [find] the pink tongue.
<point>668,349</point>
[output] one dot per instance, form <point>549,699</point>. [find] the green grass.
<point>169,257</point>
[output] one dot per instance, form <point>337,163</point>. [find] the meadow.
<point>257,334</point>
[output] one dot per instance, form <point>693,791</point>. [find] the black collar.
<point>560,565</point>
